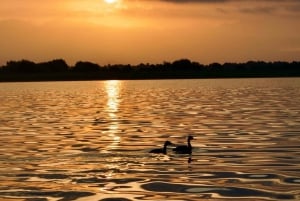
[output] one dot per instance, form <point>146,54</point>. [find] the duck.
<point>184,149</point>
<point>161,150</point>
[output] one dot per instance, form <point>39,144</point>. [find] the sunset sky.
<point>149,31</point>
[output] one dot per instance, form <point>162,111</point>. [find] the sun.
<point>110,1</point>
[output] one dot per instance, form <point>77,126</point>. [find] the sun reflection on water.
<point>112,88</point>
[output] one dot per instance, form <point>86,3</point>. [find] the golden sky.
<point>149,31</point>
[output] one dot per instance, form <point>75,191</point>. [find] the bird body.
<point>184,149</point>
<point>161,150</point>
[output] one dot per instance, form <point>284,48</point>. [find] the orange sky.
<point>153,31</point>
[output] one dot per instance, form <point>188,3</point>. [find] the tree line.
<point>58,69</point>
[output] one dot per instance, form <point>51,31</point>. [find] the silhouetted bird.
<point>184,149</point>
<point>161,150</point>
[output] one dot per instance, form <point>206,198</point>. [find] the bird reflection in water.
<point>190,159</point>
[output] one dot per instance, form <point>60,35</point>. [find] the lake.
<point>90,141</point>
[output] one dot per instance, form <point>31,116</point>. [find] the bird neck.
<point>189,143</point>
<point>165,149</point>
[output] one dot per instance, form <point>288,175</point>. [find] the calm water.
<point>89,141</point>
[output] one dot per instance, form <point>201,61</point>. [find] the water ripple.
<point>90,141</point>
<point>214,191</point>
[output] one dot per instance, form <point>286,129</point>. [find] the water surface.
<point>90,140</point>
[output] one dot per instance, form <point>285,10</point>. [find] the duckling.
<point>161,150</point>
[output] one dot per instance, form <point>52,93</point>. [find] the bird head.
<point>168,143</point>
<point>190,137</point>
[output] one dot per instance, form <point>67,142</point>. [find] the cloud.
<point>227,1</point>
<point>197,1</point>
<point>279,7</point>
<point>259,9</point>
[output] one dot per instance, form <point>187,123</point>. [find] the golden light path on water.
<point>112,88</point>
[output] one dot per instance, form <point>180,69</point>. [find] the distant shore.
<point>58,70</point>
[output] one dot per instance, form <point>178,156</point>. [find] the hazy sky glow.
<point>135,31</point>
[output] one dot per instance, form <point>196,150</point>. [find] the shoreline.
<point>47,78</point>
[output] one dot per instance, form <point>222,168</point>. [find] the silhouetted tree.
<point>54,66</point>
<point>23,66</point>
<point>215,66</point>
<point>86,67</point>
<point>181,65</point>
<point>182,68</point>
